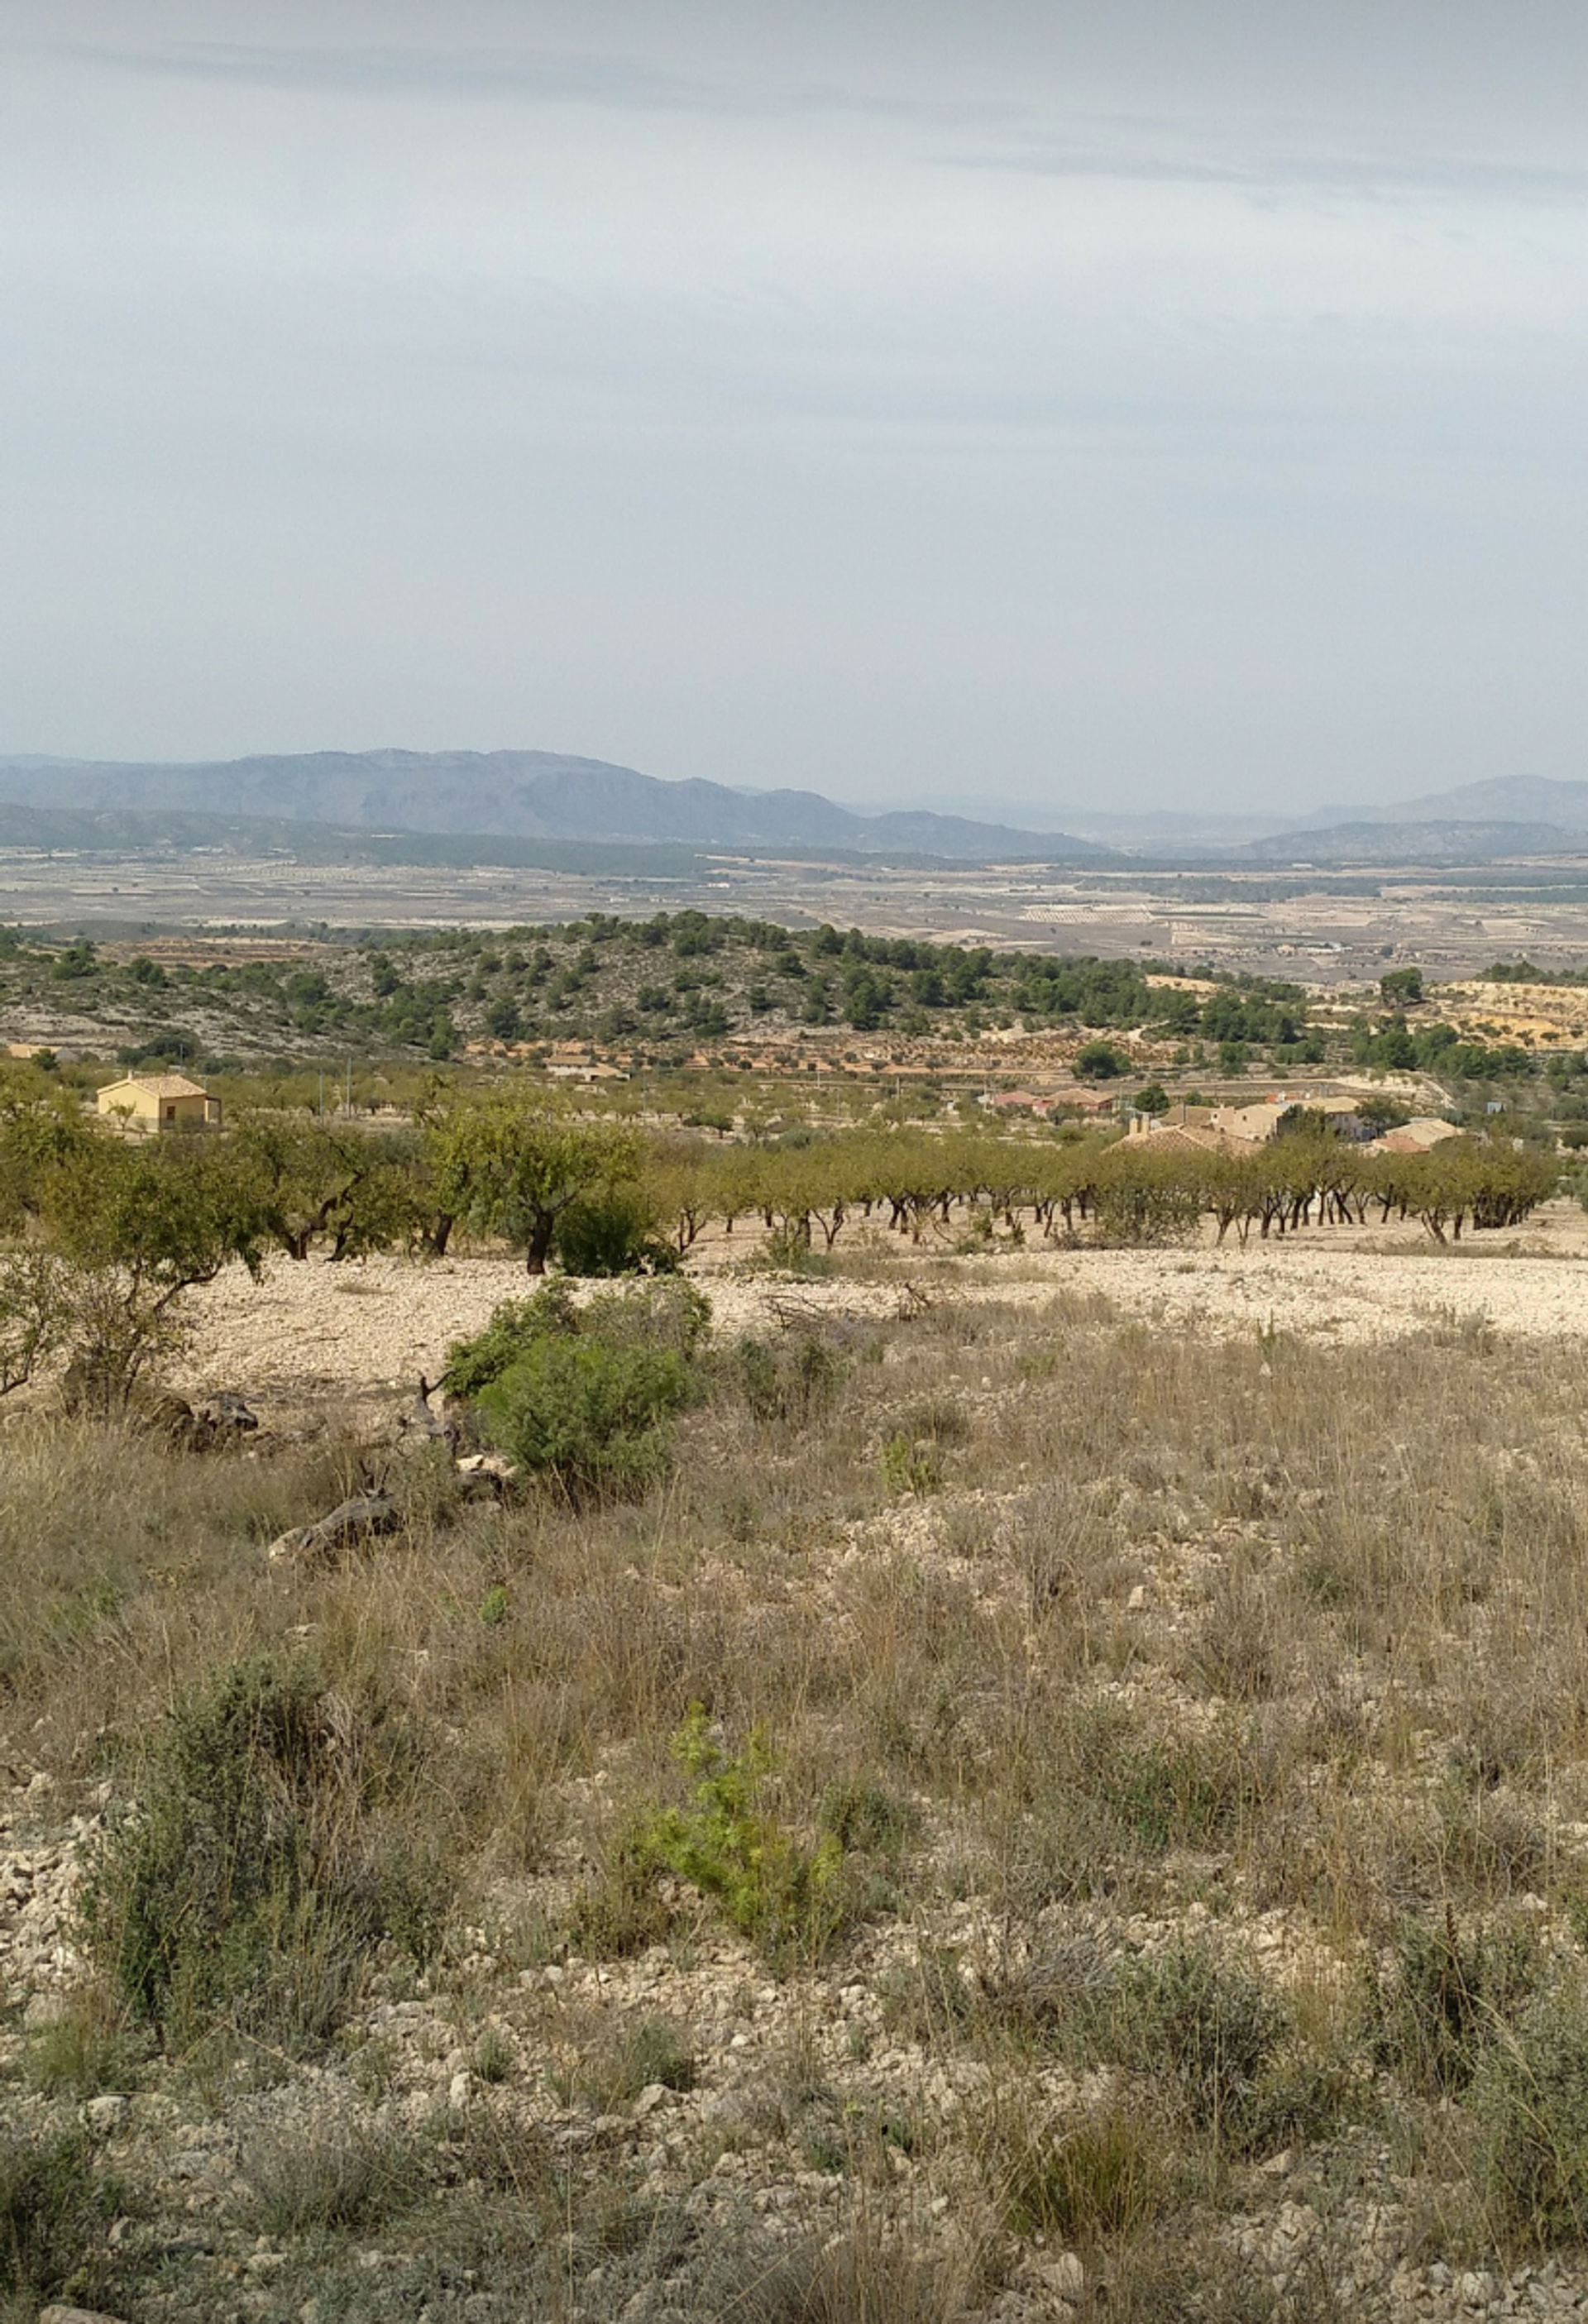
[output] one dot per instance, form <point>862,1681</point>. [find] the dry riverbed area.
<point>1066,1797</point>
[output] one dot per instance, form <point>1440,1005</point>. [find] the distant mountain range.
<point>1439,840</point>
<point>1506,800</point>
<point>528,806</point>
<point>531,794</point>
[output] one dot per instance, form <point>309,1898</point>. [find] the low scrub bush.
<point>613,1232</point>
<point>912,1455</point>
<point>583,1397</point>
<point>931,1999</point>
<point>1161,1791</point>
<point>271,1847</point>
<point>786,1250</point>
<point>479,1362</point>
<point>90,2048</point>
<point>1177,2271</point>
<point>1530,2096</point>
<point>1444,1996</point>
<point>55,2214</point>
<point>334,2174</point>
<point>863,1817</point>
<point>623,1910</point>
<point>912,1465</point>
<point>627,2058</point>
<point>864,2277</point>
<point>1207,2027</point>
<point>590,1419</point>
<point>792,1380</point>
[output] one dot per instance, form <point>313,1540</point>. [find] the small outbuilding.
<point>158,1102</point>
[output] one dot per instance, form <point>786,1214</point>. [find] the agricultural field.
<point>915,1724</point>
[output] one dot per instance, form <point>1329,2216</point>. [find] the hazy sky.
<point>1130,402</point>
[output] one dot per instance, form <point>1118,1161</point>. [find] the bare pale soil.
<point>382,1321</point>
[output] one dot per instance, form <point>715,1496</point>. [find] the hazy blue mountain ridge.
<point>526,794</point>
<point>553,798</point>
<point>1536,799</point>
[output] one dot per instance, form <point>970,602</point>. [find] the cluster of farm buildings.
<point>1241,1129</point>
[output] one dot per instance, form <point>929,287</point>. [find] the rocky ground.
<point>684,2122</point>
<point>808,2093</point>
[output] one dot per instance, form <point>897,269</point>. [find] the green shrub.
<point>1444,1995</point>
<point>862,1816</point>
<point>1208,2026</point>
<point>475,1364</point>
<point>612,1231</point>
<point>672,1318</point>
<point>266,1854</point>
<point>582,1395</point>
<point>910,1464</point>
<point>728,1843</point>
<point>590,1418</point>
<point>55,2211</point>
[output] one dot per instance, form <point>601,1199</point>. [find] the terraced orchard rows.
<point>103,1239</point>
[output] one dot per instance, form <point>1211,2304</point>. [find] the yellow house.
<point>157,1101</point>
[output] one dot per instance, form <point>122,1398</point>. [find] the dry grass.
<point>1219,1635</point>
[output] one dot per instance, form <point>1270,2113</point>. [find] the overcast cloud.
<point>1128,402</point>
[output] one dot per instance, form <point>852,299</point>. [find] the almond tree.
<point>510,1163</point>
